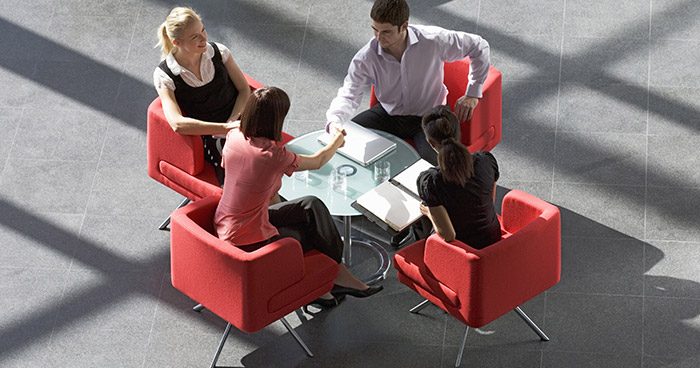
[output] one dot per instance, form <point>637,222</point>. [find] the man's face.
<point>388,35</point>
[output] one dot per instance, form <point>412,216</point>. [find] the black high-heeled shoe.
<point>328,303</point>
<point>338,291</point>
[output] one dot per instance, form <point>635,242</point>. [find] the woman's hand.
<point>232,125</point>
<point>424,209</point>
<point>338,137</point>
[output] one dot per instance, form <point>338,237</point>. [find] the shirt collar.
<point>412,36</point>
<point>412,39</point>
<point>176,68</point>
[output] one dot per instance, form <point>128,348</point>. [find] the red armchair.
<point>249,290</point>
<point>478,286</point>
<point>483,132</point>
<point>177,161</point>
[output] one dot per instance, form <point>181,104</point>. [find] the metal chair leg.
<point>532,325</point>
<point>420,306</point>
<point>296,337</point>
<point>166,223</point>
<point>221,346</point>
<point>198,308</point>
<point>461,349</point>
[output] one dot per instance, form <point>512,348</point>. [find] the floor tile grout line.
<point>12,142</point>
<point>153,319</point>
<point>444,341</point>
<point>646,177</point>
<point>556,114</point>
<point>640,296</point>
<point>594,237</point>
<point>80,229</point>
<point>131,43</point>
<point>544,324</point>
<point>67,271</point>
<point>301,53</point>
<point>478,16</point>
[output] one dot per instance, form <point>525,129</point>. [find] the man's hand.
<point>338,136</point>
<point>332,126</point>
<point>464,108</point>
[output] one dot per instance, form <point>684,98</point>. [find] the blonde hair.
<point>175,23</point>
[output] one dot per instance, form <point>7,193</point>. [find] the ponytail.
<point>166,45</point>
<point>441,128</point>
<point>455,161</point>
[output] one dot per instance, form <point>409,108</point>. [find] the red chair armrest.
<point>455,264</point>
<point>183,151</point>
<point>520,208</point>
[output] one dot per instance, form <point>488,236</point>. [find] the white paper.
<point>361,144</point>
<point>391,205</point>
<point>407,178</point>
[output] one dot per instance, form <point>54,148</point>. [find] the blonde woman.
<point>202,89</point>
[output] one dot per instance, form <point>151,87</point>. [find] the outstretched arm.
<point>318,159</point>
<point>184,125</point>
<point>350,94</point>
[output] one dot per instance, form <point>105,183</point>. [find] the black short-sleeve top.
<point>470,207</point>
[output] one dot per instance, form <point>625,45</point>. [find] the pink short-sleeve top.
<point>254,169</point>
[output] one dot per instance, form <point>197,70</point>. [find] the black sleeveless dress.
<point>213,102</point>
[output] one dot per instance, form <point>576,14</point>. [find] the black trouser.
<point>307,220</point>
<point>212,155</point>
<point>402,126</point>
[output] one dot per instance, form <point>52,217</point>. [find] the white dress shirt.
<point>206,68</point>
<point>414,85</point>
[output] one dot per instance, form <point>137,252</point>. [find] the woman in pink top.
<point>250,214</point>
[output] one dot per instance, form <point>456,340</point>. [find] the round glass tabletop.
<point>360,179</point>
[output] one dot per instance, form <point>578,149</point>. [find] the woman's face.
<point>193,39</point>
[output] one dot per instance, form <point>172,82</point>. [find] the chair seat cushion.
<point>409,262</point>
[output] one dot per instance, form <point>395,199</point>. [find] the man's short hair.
<point>390,11</point>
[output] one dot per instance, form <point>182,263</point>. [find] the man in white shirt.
<point>405,64</point>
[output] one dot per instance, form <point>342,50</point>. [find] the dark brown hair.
<point>390,11</point>
<point>264,113</point>
<point>442,131</point>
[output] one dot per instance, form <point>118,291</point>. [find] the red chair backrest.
<point>484,131</point>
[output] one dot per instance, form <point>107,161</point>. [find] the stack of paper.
<point>361,144</point>
<point>391,205</point>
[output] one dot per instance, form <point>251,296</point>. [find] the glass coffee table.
<point>360,179</point>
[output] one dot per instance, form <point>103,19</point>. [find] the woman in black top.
<point>202,90</point>
<point>458,195</point>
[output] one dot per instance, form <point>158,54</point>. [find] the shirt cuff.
<point>474,90</point>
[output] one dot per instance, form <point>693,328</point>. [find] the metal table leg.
<point>378,250</point>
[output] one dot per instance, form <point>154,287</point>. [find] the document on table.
<point>361,144</point>
<point>407,178</point>
<point>391,205</point>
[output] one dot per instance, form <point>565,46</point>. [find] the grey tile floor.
<point>601,117</point>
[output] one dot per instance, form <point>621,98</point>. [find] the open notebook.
<point>361,144</point>
<point>394,205</point>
